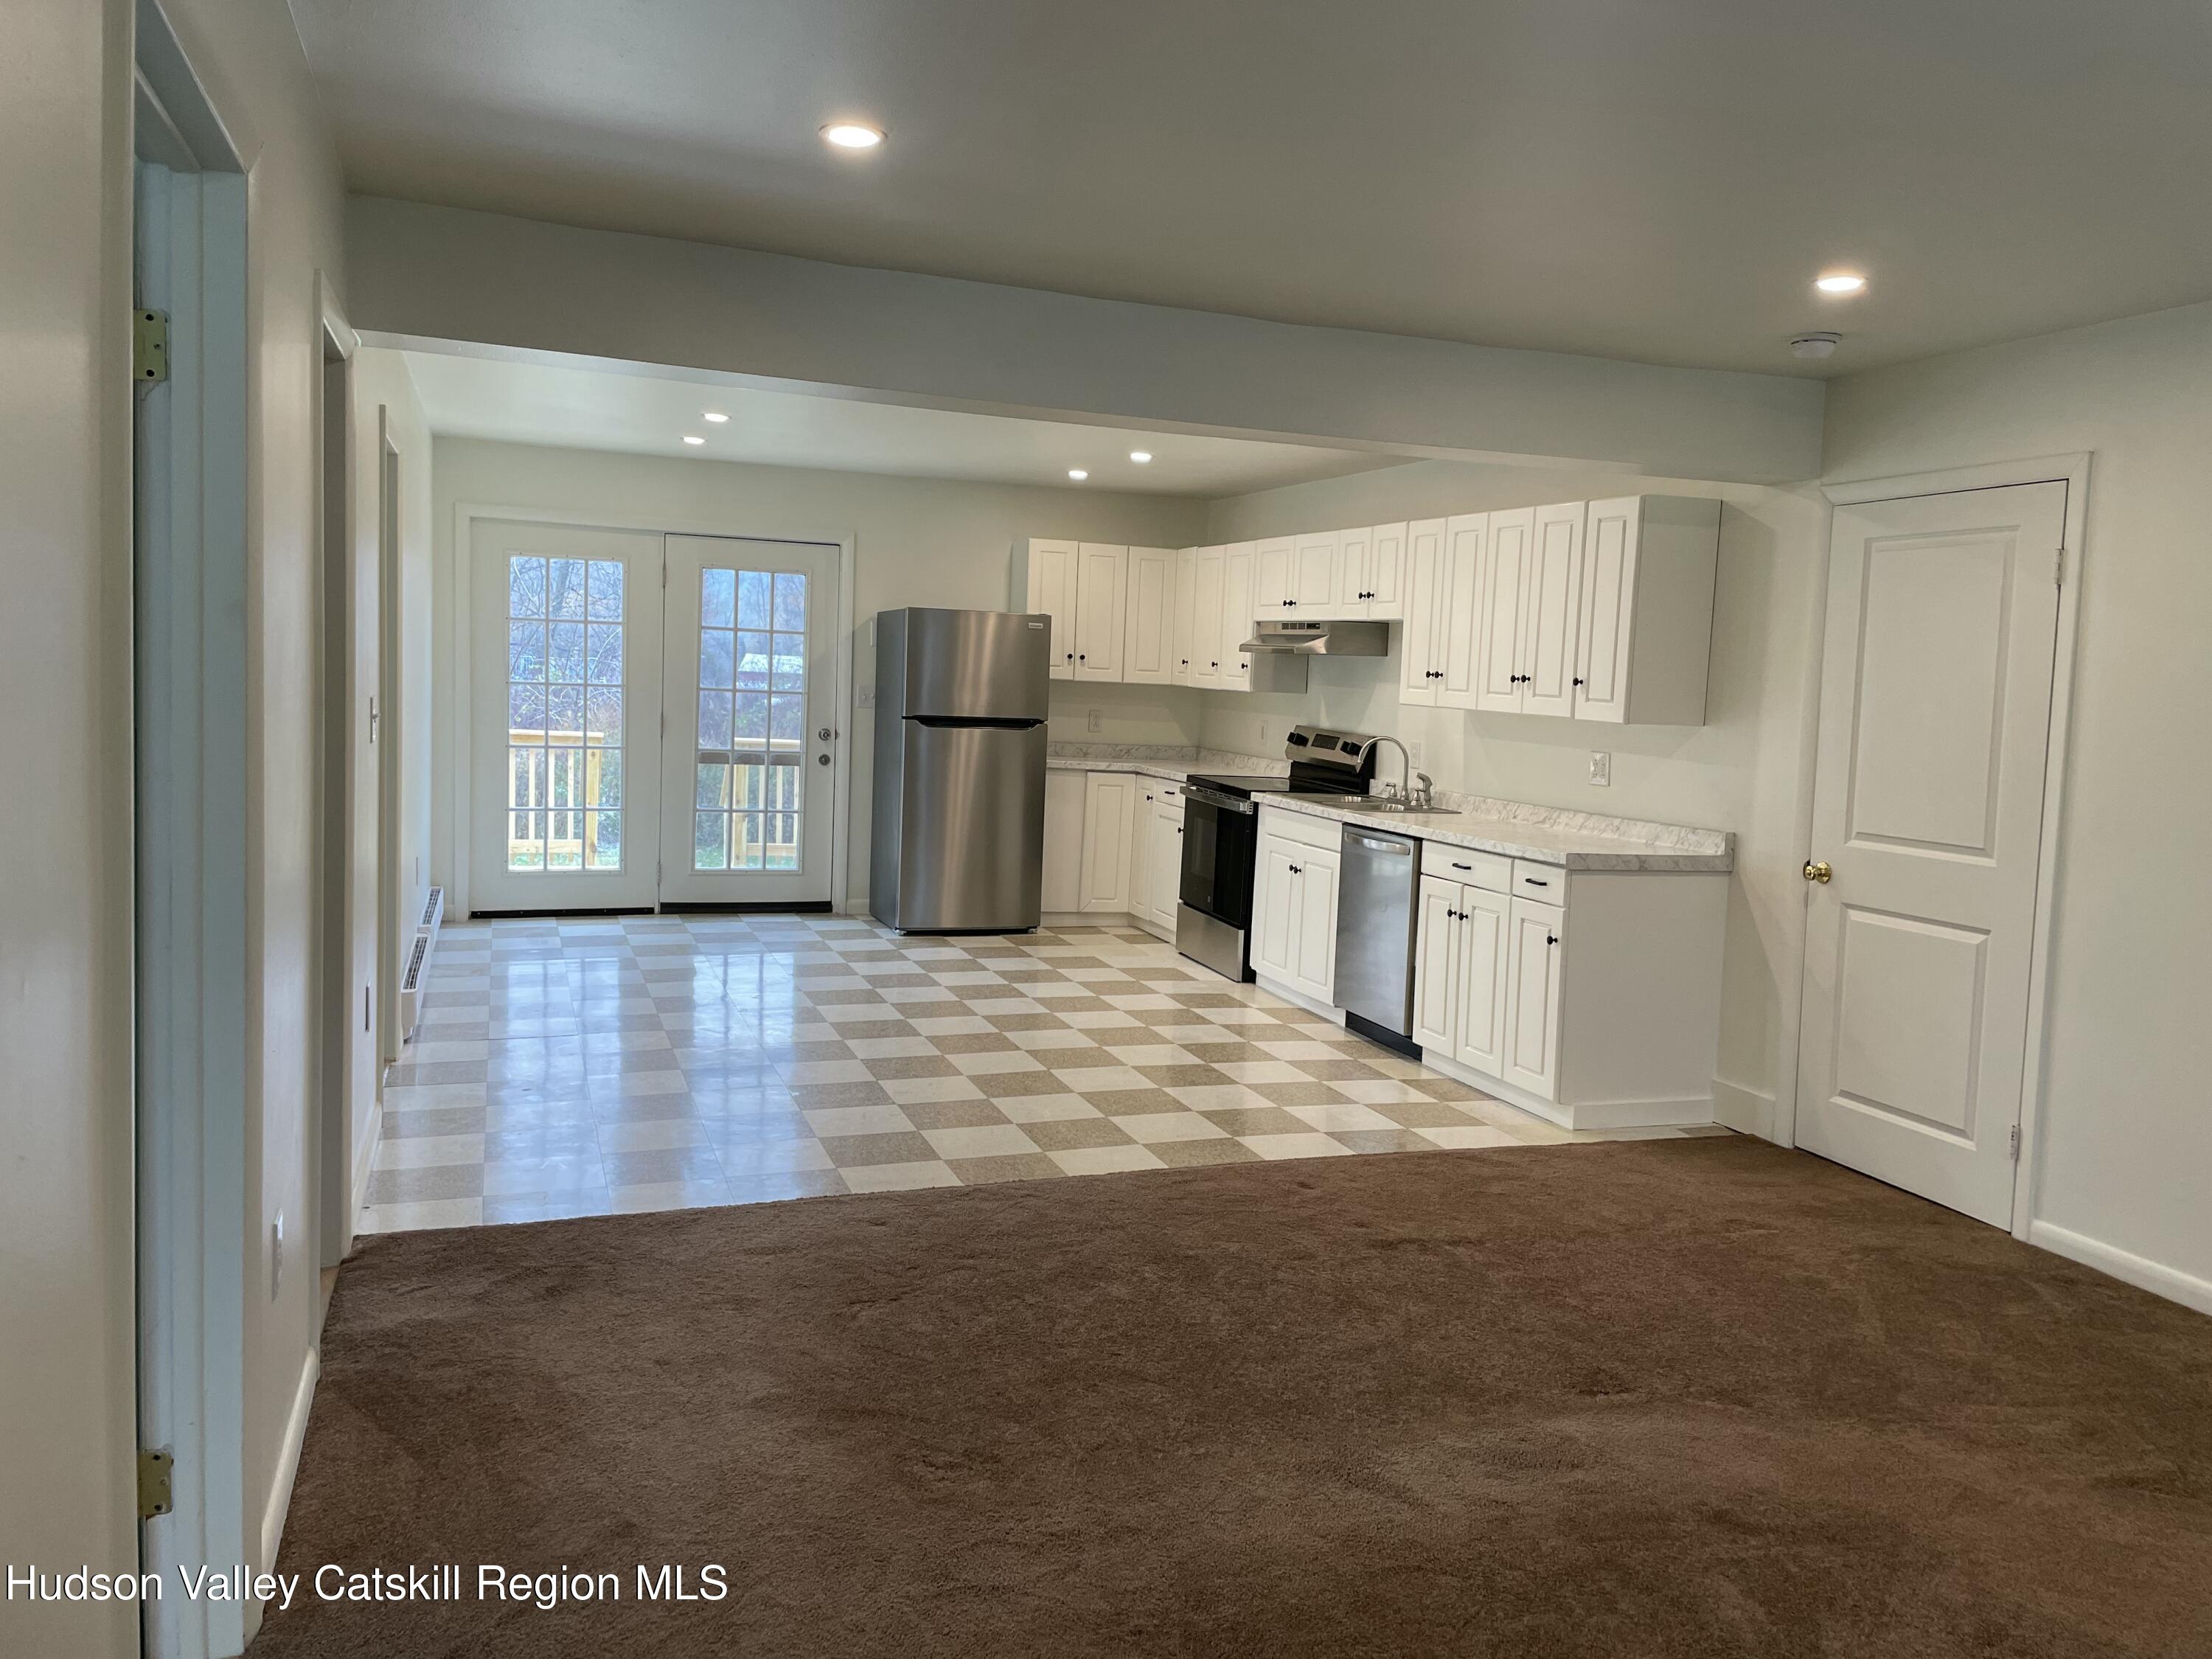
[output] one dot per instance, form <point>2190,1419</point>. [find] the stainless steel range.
<point>1213,922</point>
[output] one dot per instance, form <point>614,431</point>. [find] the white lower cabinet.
<point>1294,902</point>
<point>1110,800</point>
<point>1533,973</point>
<point>1156,857</point>
<point>1461,972</point>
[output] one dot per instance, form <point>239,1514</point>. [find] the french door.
<point>650,719</point>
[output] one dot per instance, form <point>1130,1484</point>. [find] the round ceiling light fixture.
<point>715,415</point>
<point>693,438</point>
<point>853,135</point>
<point>1814,345</point>
<point>1141,457</point>
<point>1077,474</point>
<point>1840,281</point>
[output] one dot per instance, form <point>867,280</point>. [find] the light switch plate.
<point>1094,719</point>
<point>1414,751</point>
<point>1601,768</point>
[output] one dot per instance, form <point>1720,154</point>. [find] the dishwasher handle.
<point>1390,844</point>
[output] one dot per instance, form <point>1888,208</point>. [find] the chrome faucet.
<point>1397,790</point>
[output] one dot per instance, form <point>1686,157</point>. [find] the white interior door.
<point>1928,808</point>
<point>752,749</point>
<point>565,688</point>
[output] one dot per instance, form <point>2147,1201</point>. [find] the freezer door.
<point>972,852</point>
<point>976,665</point>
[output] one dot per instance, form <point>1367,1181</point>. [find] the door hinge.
<point>2058,568</point>
<point>149,347</point>
<point>2013,1147</point>
<point>155,1493</point>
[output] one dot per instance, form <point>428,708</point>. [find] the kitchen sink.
<point>1377,804</point>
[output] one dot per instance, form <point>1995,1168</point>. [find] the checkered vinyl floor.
<point>582,1068</point>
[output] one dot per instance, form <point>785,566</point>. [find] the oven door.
<point>1220,833</point>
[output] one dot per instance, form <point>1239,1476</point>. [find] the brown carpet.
<point>1699,1398</point>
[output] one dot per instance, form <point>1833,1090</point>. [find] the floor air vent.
<point>418,964</point>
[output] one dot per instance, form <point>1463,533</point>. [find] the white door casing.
<point>561,760</point>
<point>1936,690</point>
<point>750,690</point>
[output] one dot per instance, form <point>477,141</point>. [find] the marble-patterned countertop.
<point>1543,835</point>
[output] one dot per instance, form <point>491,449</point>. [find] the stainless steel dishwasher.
<point>1376,899</point>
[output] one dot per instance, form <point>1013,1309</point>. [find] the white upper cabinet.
<point>1271,578</point>
<point>1313,575</point>
<point>1502,614</point>
<point>1101,597</point>
<point>1239,561</point>
<point>1423,564</point>
<point>1184,633</point>
<point>1645,615</point>
<point>1459,597</point>
<point>1208,628</point>
<point>1148,639</point>
<point>1044,583</point>
<point>1386,571</point>
<point>1550,611</point>
<point>1354,554</point>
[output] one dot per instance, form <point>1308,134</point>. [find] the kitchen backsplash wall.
<point>1746,769</point>
<point>1125,713</point>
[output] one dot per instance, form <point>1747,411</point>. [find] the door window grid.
<point>564,690</point>
<point>752,721</point>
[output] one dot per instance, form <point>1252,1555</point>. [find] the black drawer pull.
<point>1462,866</point>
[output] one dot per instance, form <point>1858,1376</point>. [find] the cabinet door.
<point>1313,575</point>
<point>1436,949</point>
<point>1274,907</point>
<point>1140,853</point>
<point>1052,593</point>
<point>1504,581</point>
<point>1354,561</point>
<point>1485,933</point>
<point>1186,604</point>
<point>1459,588</point>
<point>1102,601</point>
<point>1147,656</point>
<point>1271,579</point>
<point>1237,561</point>
<point>1208,627</point>
<point>1553,609</point>
<point>1109,801</point>
<point>1313,957</point>
<point>1163,880</point>
<point>1386,572</point>
<point>1601,642</point>
<point>1064,802</point>
<point>1532,1012</point>
<point>1425,551</point>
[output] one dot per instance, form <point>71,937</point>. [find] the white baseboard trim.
<point>1587,1115</point>
<point>288,1461</point>
<point>1276,988</point>
<point>2153,1276</point>
<point>1088,918</point>
<point>364,1165</point>
<point>1748,1111</point>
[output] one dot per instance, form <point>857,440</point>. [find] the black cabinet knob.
<point>1551,939</point>
<point>1578,679</point>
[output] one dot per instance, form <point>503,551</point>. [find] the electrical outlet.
<point>1413,751</point>
<point>1094,720</point>
<point>276,1255</point>
<point>1601,768</point>
<point>1262,729</point>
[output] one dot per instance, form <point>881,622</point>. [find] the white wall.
<point>65,1031</point>
<point>2127,1138</point>
<point>917,541</point>
<point>1743,770</point>
<point>434,274</point>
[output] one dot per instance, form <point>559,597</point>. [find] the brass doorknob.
<point>1817,872</point>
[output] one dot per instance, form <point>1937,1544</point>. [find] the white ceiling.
<point>584,408</point>
<point>1657,179</point>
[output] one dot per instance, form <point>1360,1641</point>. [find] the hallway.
<point>610,1064</point>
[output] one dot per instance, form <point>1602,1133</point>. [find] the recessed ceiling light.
<point>1077,474</point>
<point>689,438</point>
<point>716,416</point>
<point>1840,281</point>
<point>851,135</point>
<point>1140,456</point>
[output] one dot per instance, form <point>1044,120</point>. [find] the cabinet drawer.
<point>1487,871</point>
<point>1296,826</point>
<point>1545,883</point>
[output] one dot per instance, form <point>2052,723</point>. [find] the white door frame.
<point>191,572</point>
<point>465,514</point>
<point>2073,471</point>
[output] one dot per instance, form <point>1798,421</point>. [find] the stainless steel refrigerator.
<point>958,843</point>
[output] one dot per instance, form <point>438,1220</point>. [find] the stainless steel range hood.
<point>1320,639</point>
